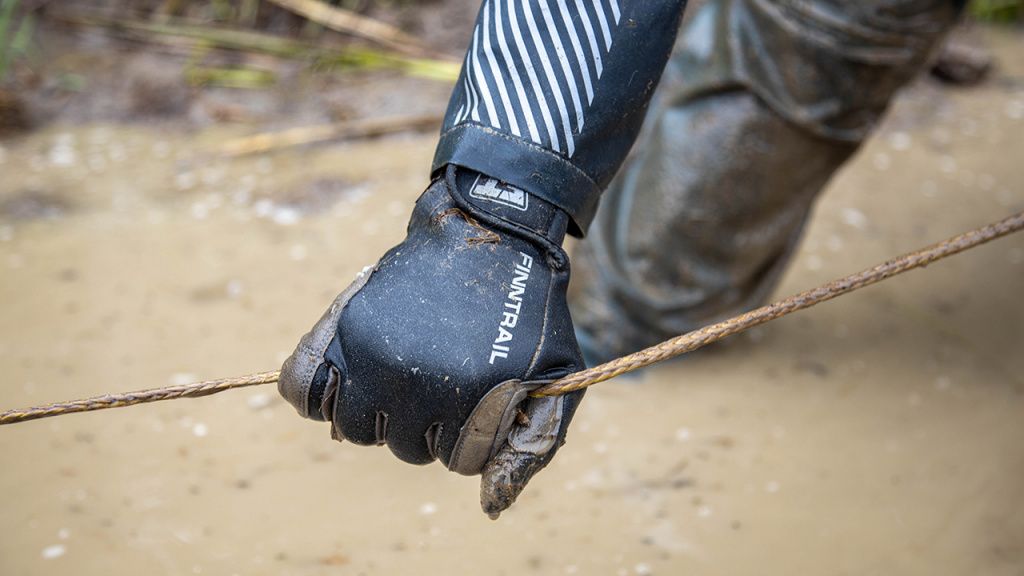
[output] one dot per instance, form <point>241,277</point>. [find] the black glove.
<point>434,350</point>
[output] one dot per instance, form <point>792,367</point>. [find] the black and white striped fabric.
<point>572,77</point>
<point>560,45</point>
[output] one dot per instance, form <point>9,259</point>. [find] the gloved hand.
<point>434,350</point>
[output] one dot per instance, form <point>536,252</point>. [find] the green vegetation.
<point>1000,11</point>
<point>230,77</point>
<point>205,38</point>
<point>365,59</point>
<point>14,40</point>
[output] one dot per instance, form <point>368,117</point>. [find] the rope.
<point>713,333</point>
<point>105,401</point>
<point>579,380</point>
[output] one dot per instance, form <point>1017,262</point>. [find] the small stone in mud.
<point>33,205</point>
<point>899,141</point>
<point>854,218</point>
<point>63,152</point>
<point>55,551</point>
<point>259,401</point>
<point>234,289</point>
<point>285,215</point>
<point>181,378</point>
<point>962,61</point>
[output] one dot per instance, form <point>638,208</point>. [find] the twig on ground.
<point>363,128</point>
<point>348,22</point>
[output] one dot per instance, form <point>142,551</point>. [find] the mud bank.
<point>877,434</point>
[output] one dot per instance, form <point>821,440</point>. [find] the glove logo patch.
<point>511,309</point>
<point>500,193</point>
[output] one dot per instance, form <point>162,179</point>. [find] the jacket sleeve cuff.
<point>524,165</point>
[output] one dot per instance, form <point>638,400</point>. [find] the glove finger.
<point>306,364</point>
<point>414,444</point>
<point>530,446</point>
<point>359,419</point>
<point>356,418</point>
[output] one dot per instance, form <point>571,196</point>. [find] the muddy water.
<point>882,433</point>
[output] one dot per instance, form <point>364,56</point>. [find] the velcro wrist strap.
<point>523,165</point>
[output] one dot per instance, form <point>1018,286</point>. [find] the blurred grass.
<point>14,40</point>
<point>320,58</point>
<point>254,27</point>
<point>997,11</point>
<point>230,77</point>
<point>363,59</point>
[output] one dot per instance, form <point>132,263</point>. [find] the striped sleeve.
<point>553,92</point>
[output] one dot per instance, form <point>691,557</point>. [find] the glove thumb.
<point>531,444</point>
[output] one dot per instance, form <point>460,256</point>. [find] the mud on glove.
<point>434,350</point>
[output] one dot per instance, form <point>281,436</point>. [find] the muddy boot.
<point>700,223</point>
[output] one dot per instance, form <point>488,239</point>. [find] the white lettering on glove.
<point>513,306</point>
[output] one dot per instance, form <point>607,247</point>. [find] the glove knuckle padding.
<point>298,370</point>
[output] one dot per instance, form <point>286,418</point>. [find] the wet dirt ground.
<point>882,433</point>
